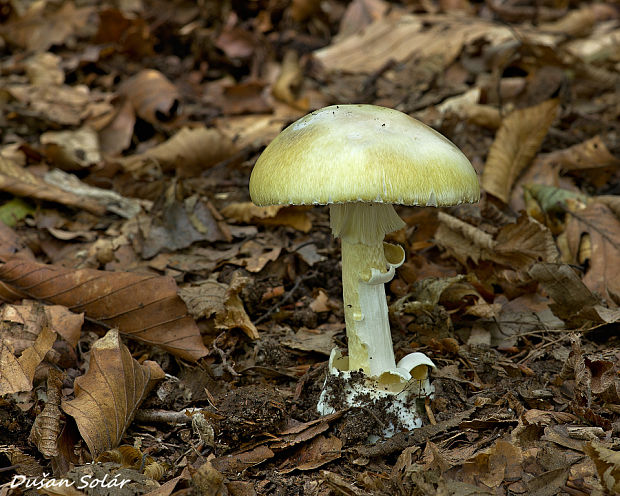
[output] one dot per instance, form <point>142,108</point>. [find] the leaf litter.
<point>140,286</point>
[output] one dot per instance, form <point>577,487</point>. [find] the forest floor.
<point>160,329</point>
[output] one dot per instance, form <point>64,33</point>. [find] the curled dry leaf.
<point>517,245</point>
<point>574,303</point>
<point>154,97</point>
<point>515,145</point>
<point>46,427</point>
<point>16,374</point>
<point>318,452</point>
<point>279,215</point>
<point>108,395</point>
<point>32,316</point>
<point>72,150</point>
<point>291,75</point>
<point>144,307</point>
<point>208,480</point>
<point>43,69</point>
<point>213,297</point>
<point>189,152</point>
<point>607,464</point>
<point>23,464</point>
<point>41,26</point>
<point>603,228</point>
<point>64,105</point>
<point>18,181</point>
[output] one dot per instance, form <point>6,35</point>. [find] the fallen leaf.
<point>41,27</point>
<point>607,464</point>
<point>20,182</point>
<point>603,228</point>
<point>290,77</point>
<point>320,340</point>
<point>574,303</point>
<point>359,14</point>
<point>318,452</point>
<point>116,135</point>
<point>516,143</point>
<point>16,374</point>
<point>208,480</point>
<point>279,215</point>
<point>235,463</point>
<point>179,224</point>
<point>108,395</point>
<point>46,428</point>
<point>500,461</point>
<point>126,31</point>
<point>44,69</point>
<point>190,151</point>
<point>214,298</point>
<point>62,104</point>
<point>72,150</point>
<point>153,96</point>
<point>144,307</point>
<point>32,316</point>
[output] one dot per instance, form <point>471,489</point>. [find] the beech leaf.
<point>108,395</point>
<point>143,307</point>
<point>515,145</point>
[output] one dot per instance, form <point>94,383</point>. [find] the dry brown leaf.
<point>302,10</point>
<point>38,29</point>
<point>144,307</point>
<point>235,315</point>
<point>64,105</point>
<point>43,69</point>
<point>291,75</point>
<point>522,244</point>
<point>115,136</point>
<point>108,395</point>
<point>16,374</point>
<point>128,32</point>
<point>515,145</point>
<point>18,181</point>
<point>320,340</point>
<point>24,464</point>
<point>613,202</point>
<point>208,480</point>
<point>32,316</point>
<point>359,14</point>
<point>574,303</point>
<point>400,37</point>
<point>154,97</point>
<point>603,228</point>
<point>72,150</point>
<point>238,462</point>
<point>189,152</point>
<point>500,461</point>
<point>607,464</point>
<point>462,239</point>
<point>279,215</point>
<point>212,297</point>
<point>318,452</point>
<point>46,427</point>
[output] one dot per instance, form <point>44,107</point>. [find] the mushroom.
<point>360,160</point>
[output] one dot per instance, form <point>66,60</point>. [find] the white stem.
<point>367,264</point>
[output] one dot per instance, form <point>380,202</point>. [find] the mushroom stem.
<point>367,264</point>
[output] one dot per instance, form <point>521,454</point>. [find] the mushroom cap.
<point>362,153</point>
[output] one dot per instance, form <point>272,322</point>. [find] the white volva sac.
<point>361,159</point>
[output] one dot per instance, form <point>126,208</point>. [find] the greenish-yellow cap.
<point>350,153</point>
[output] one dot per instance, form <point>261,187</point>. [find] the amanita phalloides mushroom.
<point>360,160</point>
